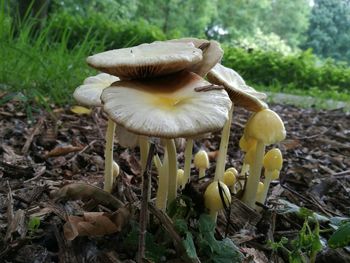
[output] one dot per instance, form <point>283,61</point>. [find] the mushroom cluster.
<point>177,89</point>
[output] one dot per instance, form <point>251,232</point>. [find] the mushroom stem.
<point>172,172</point>
<point>144,147</point>
<point>188,159</point>
<point>162,191</point>
<point>225,135</point>
<point>201,173</point>
<point>109,156</point>
<point>249,195</point>
<point>157,162</point>
<point>267,182</point>
<point>214,215</point>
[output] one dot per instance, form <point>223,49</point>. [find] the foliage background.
<point>292,46</point>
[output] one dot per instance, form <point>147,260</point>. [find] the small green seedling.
<point>33,224</point>
<point>341,237</point>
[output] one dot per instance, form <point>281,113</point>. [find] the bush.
<point>301,71</point>
<point>113,34</point>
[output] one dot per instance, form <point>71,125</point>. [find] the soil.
<point>42,152</point>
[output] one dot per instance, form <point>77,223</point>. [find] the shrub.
<point>302,70</point>
<point>113,34</point>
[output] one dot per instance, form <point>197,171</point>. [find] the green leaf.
<point>33,224</point>
<point>189,246</point>
<point>340,237</point>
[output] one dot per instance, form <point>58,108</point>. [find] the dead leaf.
<point>80,110</point>
<point>85,191</point>
<point>96,223</point>
<point>63,150</point>
<point>213,155</point>
<point>258,256</point>
<point>132,162</point>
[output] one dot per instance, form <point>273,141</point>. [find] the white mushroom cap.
<point>146,60</point>
<point>167,107</point>
<point>212,54</point>
<point>240,93</point>
<point>89,93</point>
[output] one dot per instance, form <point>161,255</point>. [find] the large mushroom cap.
<point>89,93</point>
<point>146,60</point>
<point>212,54</point>
<point>167,107</point>
<point>266,126</point>
<point>240,93</point>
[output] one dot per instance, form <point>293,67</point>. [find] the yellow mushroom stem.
<point>108,173</point>
<point>162,191</point>
<point>225,135</point>
<point>188,159</point>
<point>269,177</point>
<point>252,184</point>
<point>172,169</point>
<point>260,193</point>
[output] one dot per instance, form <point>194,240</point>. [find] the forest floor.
<point>47,151</point>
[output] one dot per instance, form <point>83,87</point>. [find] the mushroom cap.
<point>212,198</point>
<point>230,177</point>
<point>240,93</point>
<point>168,106</point>
<point>180,178</point>
<point>273,160</point>
<point>212,54</point>
<point>246,143</point>
<point>201,160</point>
<point>116,169</point>
<point>266,126</point>
<point>90,92</point>
<point>146,60</point>
<point>250,155</point>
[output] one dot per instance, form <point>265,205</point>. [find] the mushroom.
<point>272,164</point>
<point>213,200</point>
<point>241,95</point>
<point>146,60</point>
<point>212,54</point>
<point>267,128</point>
<point>248,146</point>
<point>181,180</point>
<point>230,178</point>
<point>89,94</point>
<point>167,107</point>
<point>201,162</point>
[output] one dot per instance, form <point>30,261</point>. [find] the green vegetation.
<point>43,57</point>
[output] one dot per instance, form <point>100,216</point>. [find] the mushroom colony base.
<point>38,156</point>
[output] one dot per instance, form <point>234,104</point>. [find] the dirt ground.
<point>41,152</point>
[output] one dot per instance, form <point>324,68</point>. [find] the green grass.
<point>42,70</point>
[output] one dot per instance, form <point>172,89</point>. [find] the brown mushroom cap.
<point>146,60</point>
<point>168,106</point>
<point>240,93</point>
<point>212,54</point>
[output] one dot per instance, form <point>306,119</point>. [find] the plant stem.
<point>172,170</point>
<point>249,195</point>
<point>225,135</point>
<point>201,173</point>
<point>188,159</point>
<point>109,156</point>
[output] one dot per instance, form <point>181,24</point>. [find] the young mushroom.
<point>267,128</point>
<point>213,200</point>
<point>272,164</point>
<point>201,162</point>
<point>230,178</point>
<point>174,108</point>
<point>241,95</point>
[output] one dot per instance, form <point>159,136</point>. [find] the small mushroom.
<point>89,94</point>
<point>273,164</point>
<point>267,128</point>
<point>181,180</point>
<point>146,60</point>
<point>230,178</point>
<point>201,162</point>
<point>213,200</point>
<point>241,95</point>
<point>167,107</point>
